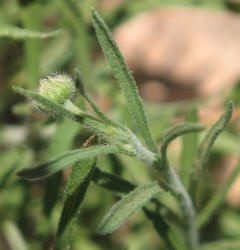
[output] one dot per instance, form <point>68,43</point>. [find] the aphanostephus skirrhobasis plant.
<point>178,230</point>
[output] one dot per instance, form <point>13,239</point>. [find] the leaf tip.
<point>21,173</point>
<point>230,105</point>
<point>93,10</point>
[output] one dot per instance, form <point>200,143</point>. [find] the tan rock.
<point>196,49</point>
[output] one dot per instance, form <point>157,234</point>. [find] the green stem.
<point>73,108</point>
<point>186,205</point>
<point>178,190</point>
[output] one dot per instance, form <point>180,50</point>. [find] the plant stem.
<point>173,182</point>
<point>186,205</point>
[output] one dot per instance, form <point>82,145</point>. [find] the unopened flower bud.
<point>57,88</point>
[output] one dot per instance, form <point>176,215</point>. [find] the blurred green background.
<point>29,212</point>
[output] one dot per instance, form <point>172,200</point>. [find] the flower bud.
<point>57,88</point>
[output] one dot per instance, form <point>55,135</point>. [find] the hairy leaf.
<point>54,107</point>
<point>58,163</point>
<point>21,34</point>
<point>98,111</point>
<point>78,182</point>
<point>211,137</point>
<point>174,132</point>
<point>87,120</point>
<point>120,186</point>
<point>206,145</point>
<point>127,207</point>
<point>124,78</point>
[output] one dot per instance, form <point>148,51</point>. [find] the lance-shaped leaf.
<point>123,77</point>
<point>59,163</point>
<point>212,135</point>
<point>121,187</point>
<point>206,145</point>
<point>22,34</point>
<point>173,133</point>
<point>127,207</point>
<point>78,182</point>
<point>92,123</point>
<point>98,111</point>
<point>112,182</point>
<point>54,108</point>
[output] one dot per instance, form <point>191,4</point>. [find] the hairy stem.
<point>178,190</point>
<point>186,205</point>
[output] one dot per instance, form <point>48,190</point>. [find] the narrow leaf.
<point>206,145</point>
<point>217,199</point>
<point>174,132</point>
<point>175,184</point>
<point>62,141</point>
<point>78,182</point>
<point>123,77</point>
<point>59,163</point>
<point>168,233</point>
<point>98,111</point>
<point>22,34</point>
<point>189,149</point>
<point>127,207</point>
<point>120,186</point>
<point>112,182</point>
<point>211,137</point>
<point>84,118</point>
<point>55,108</point>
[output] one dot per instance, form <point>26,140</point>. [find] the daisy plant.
<point>55,98</point>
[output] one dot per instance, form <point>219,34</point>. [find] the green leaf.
<point>123,77</point>
<point>174,132</point>
<point>189,149</point>
<point>62,141</point>
<point>206,145</point>
<point>167,232</point>
<point>84,118</point>
<point>54,107</point>
<point>171,179</point>
<point>127,207</point>
<point>59,163</point>
<point>22,34</point>
<point>112,182</point>
<point>120,187</point>
<point>211,136</point>
<point>98,111</point>
<point>78,182</point>
<point>217,199</point>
